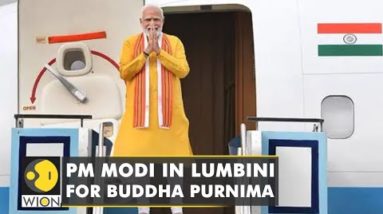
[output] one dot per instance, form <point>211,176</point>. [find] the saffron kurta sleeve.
<point>153,140</point>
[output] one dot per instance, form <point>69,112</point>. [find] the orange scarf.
<point>164,84</point>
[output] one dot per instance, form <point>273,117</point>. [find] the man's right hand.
<point>152,42</point>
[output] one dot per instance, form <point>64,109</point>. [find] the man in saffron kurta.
<point>152,64</point>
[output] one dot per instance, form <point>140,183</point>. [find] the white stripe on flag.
<point>337,39</point>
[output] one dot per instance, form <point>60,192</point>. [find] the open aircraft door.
<point>68,53</point>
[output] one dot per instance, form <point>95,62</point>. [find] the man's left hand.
<point>154,41</point>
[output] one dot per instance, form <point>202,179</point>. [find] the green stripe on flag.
<point>350,50</point>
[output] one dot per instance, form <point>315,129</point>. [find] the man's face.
<point>151,19</point>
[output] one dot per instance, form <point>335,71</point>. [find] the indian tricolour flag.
<point>350,39</point>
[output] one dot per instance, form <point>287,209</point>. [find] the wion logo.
<point>39,183</point>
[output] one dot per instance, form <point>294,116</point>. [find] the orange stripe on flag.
<point>349,28</point>
<point>76,37</point>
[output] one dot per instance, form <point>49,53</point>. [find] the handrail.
<point>19,123</point>
<point>286,119</point>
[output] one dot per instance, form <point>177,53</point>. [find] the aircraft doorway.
<point>219,91</point>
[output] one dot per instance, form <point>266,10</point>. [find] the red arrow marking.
<point>42,72</point>
<point>106,58</point>
<point>33,97</point>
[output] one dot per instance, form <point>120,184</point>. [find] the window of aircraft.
<point>74,60</point>
<point>338,114</point>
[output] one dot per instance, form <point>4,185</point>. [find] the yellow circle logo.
<point>44,201</point>
<point>41,175</point>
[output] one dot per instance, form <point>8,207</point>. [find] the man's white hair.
<point>152,6</point>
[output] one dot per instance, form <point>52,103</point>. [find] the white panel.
<point>8,85</point>
<point>40,149</point>
<point>294,176</point>
<point>39,18</point>
<point>340,11</point>
<point>278,66</point>
<point>84,142</point>
<point>101,91</point>
<point>5,180</point>
<point>356,161</point>
<point>254,142</point>
<point>355,179</point>
<point>362,152</point>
